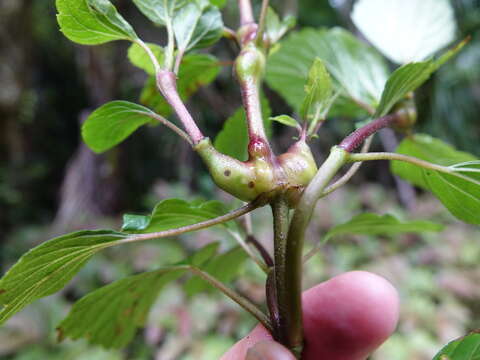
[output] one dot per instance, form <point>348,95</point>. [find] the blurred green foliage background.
<point>50,183</point>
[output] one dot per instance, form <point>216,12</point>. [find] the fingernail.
<point>269,350</point>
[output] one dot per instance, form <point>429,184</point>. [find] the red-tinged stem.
<point>246,13</point>
<point>167,84</point>
<point>251,102</point>
<point>355,139</point>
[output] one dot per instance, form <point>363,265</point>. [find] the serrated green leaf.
<point>359,71</point>
<point>92,22</point>
<point>140,59</point>
<point>112,123</point>
<point>224,267</point>
<point>427,148</point>
<point>197,26</point>
<point>319,94</point>
<point>276,28</point>
<point>232,140</point>
<point>406,30</point>
<point>465,348</point>
<point>160,12</point>
<point>459,192</point>
<point>47,268</point>
<point>373,224</point>
<point>408,78</point>
<point>286,120</point>
<point>197,70</point>
<point>111,315</point>
<point>174,213</point>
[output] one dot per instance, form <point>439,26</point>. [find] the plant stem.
<point>198,226</point>
<point>239,299</point>
<point>398,157</point>
<point>246,13</point>
<point>250,89</point>
<point>412,160</point>
<point>352,141</point>
<point>350,172</point>
<point>178,61</point>
<point>280,229</point>
<point>300,220</point>
<point>170,49</point>
<point>171,126</point>
<point>261,22</point>
<point>261,250</point>
<point>245,246</point>
<point>150,54</point>
<point>272,304</point>
<point>167,84</point>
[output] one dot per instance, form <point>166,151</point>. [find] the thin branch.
<point>244,244</point>
<point>178,61</point>
<point>230,34</point>
<point>170,49</point>
<point>246,13</point>
<point>272,304</point>
<point>261,250</point>
<point>171,126</point>
<point>287,318</point>
<point>349,174</point>
<point>239,299</point>
<point>198,226</point>
<point>150,54</point>
<point>398,157</point>
<point>167,84</point>
<point>412,160</point>
<point>261,22</point>
<point>352,141</point>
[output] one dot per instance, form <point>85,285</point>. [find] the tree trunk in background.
<point>15,80</point>
<point>90,187</point>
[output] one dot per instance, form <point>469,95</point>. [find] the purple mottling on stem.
<point>352,141</point>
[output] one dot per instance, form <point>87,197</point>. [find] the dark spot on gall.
<point>227,172</point>
<point>2,291</point>
<point>251,184</point>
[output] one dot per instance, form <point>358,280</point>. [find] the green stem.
<point>239,299</point>
<point>280,211</point>
<point>296,234</point>
<point>246,247</point>
<point>261,22</point>
<point>198,226</point>
<point>170,125</point>
<point>412,160</point>
<point>350,172</point>
<point>169,51</point>
<point>150,54</point>
<point>398,157</point>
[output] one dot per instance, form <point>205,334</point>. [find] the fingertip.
<point>239,350</point>
<point>269,350</point>
<point>349,316</point>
